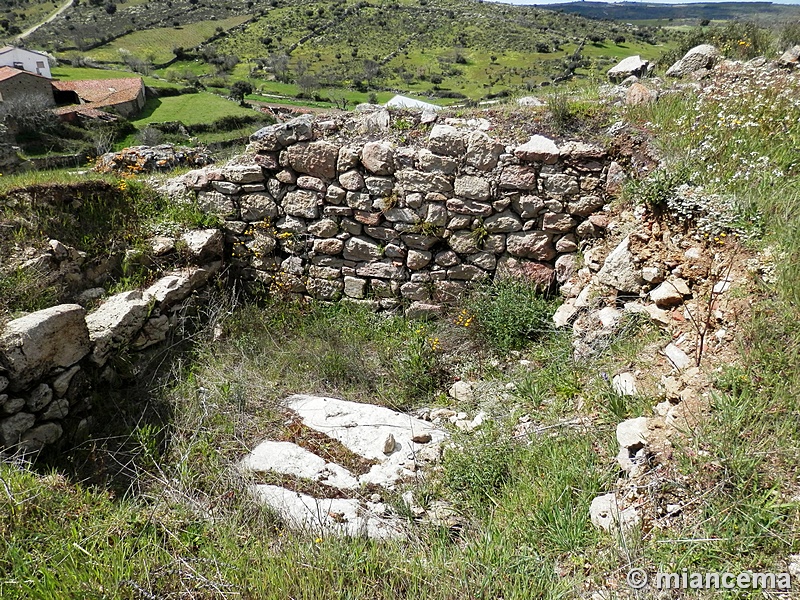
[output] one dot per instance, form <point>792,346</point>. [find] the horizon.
<point>666,2</point>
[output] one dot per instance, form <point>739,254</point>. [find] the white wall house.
<point>25,60</point>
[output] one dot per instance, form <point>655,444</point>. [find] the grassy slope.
<point>739,142</point>
<point>433,37</point>
<point>158,43</point>
<point>190,109</point>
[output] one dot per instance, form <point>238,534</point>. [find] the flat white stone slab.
<point>290,459</point>
<point>364,429</point>
<point>341,517</point>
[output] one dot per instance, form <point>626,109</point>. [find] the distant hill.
<point>647,11</point>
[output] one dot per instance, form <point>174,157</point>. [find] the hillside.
<point>444,48</point>
<point>678,14</point>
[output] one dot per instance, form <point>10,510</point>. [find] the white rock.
<point>290,459</point>
<point>722,286</point>
<point>632,65</point>
<point>462,390</point>
<point>624,384</point>
<point>363,429</point>
<point>677,357</point>
<point>540,149</point>
<point>667,294</point>
<point>619,271</point>
<point>700,57</point>
<point>116,322</point>
<point>605,514</point>
<point>329,516</point>
<point>565,313</point>
<point>609,316</point>
<point>41,341</point>
<point>794,565</point>
<point>652,274</point>
<point>632,433</point>
<point>204,244</point>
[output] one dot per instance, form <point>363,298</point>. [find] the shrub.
<point>790,35</point>
<point>561,110</point>
<point>509,314</point>
<point>149,136</point>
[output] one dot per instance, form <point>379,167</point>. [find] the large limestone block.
<point>632,65</point>
<point>34,344</point>
<point>317,159</point>
<point>538,149</point>
<point>275,137</point>
<point>530,244</point>
<point>700,57</point>
<point>116,322</point>
<point>482,151</point>
<point>378,158</point>
<point>446,140</point>
<point>619,270</point>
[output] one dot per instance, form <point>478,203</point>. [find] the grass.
<point>523,511</point>
<point>100,215</point>
<point>189,109</point>
<point>156,44</point>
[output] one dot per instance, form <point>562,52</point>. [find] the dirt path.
<point>29,31</point>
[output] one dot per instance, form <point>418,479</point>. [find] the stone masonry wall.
<point>311,214</point>
<point>48,358</point>
<point>308,213</point>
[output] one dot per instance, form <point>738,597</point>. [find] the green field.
<point>157,44</point>
<point>189,109</point>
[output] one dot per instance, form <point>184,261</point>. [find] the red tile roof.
<point>9,72</point>
<point>84,110</point>
<point>103,92</point>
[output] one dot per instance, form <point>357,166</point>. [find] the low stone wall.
<point>309,213</point>
<point>48,358</point>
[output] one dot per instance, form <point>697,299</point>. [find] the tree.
<point>278,64</point>
<point>308,84</point>
<point>371,70</point>
<point>338,99</point>
<point>240,89</point>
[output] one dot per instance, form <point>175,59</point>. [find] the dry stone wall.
<point>308,213</point>
<point>48,358</point>
<point>373,221</point>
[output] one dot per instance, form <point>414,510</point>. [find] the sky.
<point>540,2</point>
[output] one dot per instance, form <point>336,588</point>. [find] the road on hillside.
<point>27,32</point>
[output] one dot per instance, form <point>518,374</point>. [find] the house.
<point>25,60</point>
<point>126,96</point>
<point>19,88</point>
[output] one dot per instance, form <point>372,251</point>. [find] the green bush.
<point>509,314</point>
